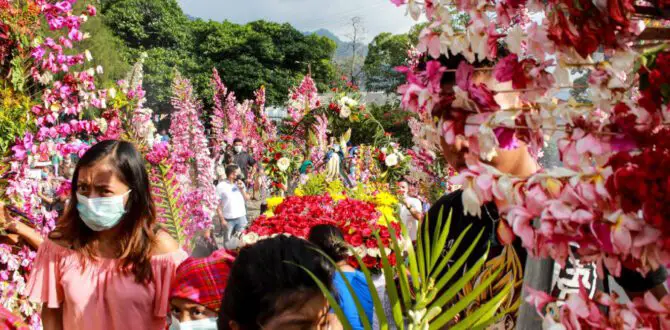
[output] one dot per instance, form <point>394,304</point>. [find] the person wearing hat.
<point>305,169</point>
<point>197,291</point>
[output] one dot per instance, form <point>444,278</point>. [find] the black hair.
<point>451,62</point>
<point>137,235</point>
<point>265,280</point>
<point>237,140</point>
<point>330,240</point>
<point>230,169</point>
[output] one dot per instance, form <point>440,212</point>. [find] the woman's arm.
<point>17,227</point>
<point>52,318</point>
<point>29,234</point>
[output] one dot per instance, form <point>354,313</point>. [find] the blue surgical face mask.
<point>204,324</point>
<point>101,213</point>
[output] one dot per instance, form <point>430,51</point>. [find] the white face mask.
<point>238,149</point>
<point>204,324</point>
<point>101,213</point>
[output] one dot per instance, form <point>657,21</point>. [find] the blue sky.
<point>307,15</point>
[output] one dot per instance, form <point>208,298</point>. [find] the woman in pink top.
<point>106,265</point>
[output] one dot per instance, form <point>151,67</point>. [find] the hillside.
<point>343,47</point>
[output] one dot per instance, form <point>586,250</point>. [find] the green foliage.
<point>14,116</point>
<point>144,24</point>
<point>263,53</point>
<point>167,195</point>
<point>420,299</point>
<point>247,56</point>
<point>107,50</point>
<point>392,118</point>
<point>385,52</point>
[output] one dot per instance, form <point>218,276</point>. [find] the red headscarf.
<point>203,280</point>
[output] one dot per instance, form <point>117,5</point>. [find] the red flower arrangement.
<point>295,216</point>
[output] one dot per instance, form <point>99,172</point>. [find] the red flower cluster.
<point>357,220</point>
<point>642,182</point>
<point>583,26</point>
<point>509,68</point>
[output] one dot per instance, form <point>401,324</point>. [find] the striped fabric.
<point>203,280</point>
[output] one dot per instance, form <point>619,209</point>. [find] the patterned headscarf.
<point>203,280</point>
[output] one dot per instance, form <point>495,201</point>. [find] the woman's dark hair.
<point>330,240</point>
<point>265,281</point>
<point>230,169</point>
<point>137,235</point>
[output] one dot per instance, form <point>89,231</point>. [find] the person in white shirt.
<point>232,195</point>
<point>410,209</point>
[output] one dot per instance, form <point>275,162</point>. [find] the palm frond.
<point>167,198</point>
<point>426,297</point>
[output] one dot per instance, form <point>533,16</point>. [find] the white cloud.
<point>307,15</point>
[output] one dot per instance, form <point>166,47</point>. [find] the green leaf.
<point>454,247</point>
<point>456,267</point>
<point>379,308</point>
<point>400,269</point>
<point>441,238</point>
<point>390,285</point>
<point>462,303</point>
<point>485,313</point>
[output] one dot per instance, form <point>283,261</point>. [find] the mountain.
<point>344,49</point>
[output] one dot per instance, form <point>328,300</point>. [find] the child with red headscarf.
<point>196,293</point>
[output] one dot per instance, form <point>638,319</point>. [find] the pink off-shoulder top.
<point>99,296</point>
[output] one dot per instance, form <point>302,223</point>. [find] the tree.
<point>145,24</point>
<point>385,52</point>
<point>357,32</point>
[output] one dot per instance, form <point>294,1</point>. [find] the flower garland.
<point>611,193</point>
<point>191,158</point>
<point>303,99</point>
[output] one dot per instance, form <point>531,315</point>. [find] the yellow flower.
<point>337,197</point>
<point>387,215</point>
<point>385,199</point>
<point>273,202</point>
<point>298,192</point>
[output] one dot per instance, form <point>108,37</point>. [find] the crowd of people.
<point>109,265</point>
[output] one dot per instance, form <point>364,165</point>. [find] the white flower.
<point>471,203</point>
<point>373,252</point>
<point>99,69</point>
<point>391,160</point>
<point>345,112</point>
<point>283,163</point>
<point>384,150</point>
<point>513,40</point>
<point>88,55</point>
<point>112,92</point>
<point>487,143</point>
<point>414,9</point>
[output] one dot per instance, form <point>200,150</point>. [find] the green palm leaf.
<point>431,304</point>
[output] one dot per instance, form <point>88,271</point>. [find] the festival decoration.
<point>303,99</point>
<point>609,195</point>
<point>295,216</point>
<point>193,164</point>
<point>281,161</point>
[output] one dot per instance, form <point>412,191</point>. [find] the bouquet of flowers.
<point>357,219</point>
<point>393,163</point>
<point>281,160</point>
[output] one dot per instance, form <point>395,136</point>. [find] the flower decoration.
<point>297,215</point>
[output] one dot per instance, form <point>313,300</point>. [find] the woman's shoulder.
<point>56,238</point>
<point>165,244</point>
